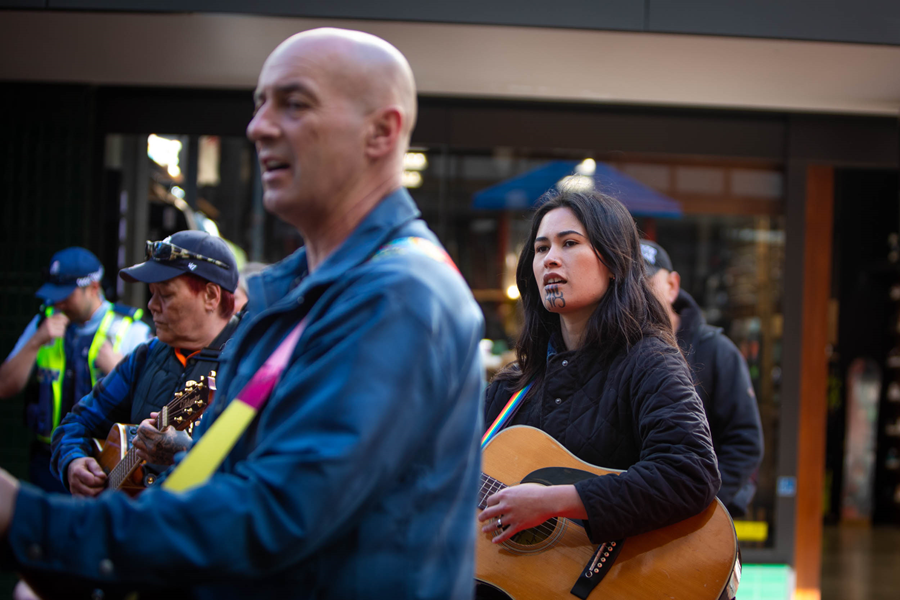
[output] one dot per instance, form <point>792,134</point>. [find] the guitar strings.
<point>495,486</point>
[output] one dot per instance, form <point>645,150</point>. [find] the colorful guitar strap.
<point>211,449</point>
<point>216,443</point>
<point>505,415</point>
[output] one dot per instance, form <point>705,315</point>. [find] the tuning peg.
<point>178,394</point>
<point>189,411</point>
<point>190,384</point>
<point>212,373</point>
<point>178,419</point>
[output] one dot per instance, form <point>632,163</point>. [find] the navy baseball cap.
<point>655,257</point>
<point>196,252</point>
<point>69,269</point>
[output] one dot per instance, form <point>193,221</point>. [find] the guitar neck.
<point>162,419</point>
<point>489,486</point>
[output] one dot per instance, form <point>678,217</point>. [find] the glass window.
<point>725,234</point>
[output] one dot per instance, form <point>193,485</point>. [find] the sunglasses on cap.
<point>163,251</point>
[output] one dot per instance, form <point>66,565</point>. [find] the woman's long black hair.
<point>628,312</point>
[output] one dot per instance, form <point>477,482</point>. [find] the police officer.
<point>77,338</point>
<point>722,381</point>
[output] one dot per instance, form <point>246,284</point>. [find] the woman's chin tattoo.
<point>555,297</point>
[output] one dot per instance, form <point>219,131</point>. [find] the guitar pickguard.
<point>557,476</point>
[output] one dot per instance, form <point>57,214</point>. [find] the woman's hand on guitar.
<point>527,505</point>
<point>86,477</point>
<point>159,447</point>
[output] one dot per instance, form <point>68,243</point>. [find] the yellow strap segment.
<point>210,451</point>
<point>124,324</point>
<point>99,338</point>
<point>52,359</point>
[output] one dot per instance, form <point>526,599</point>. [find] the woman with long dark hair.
<point>607,380</point>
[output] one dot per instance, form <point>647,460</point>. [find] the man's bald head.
<point>334,113</point>
<point>365,67</point>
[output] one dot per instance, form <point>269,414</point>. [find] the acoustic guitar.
<point>119,460</point>
<point>695,559</point>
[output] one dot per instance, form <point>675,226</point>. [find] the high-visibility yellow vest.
<point>51,366</point>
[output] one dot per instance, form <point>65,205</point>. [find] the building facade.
<point>772,125</point>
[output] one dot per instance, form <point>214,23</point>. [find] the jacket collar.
<point>227,332</point>
<point>291,276</point>
<point>690,314</point>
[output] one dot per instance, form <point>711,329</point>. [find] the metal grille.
<point>46,153</point>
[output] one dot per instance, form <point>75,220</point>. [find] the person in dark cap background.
<point>77,338</point>
<point>722,381</point>
<point>192,277</point>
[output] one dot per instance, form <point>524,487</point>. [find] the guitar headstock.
<point>189,403</point>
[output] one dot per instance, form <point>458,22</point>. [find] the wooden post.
<point>817,262</point>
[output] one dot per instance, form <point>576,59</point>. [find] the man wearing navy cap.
<point>722,381</point>
<point>76,339</point>
<point>192,277</point>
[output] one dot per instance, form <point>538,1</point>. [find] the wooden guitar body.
<point>694,559</point>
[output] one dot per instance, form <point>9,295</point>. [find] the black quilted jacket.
<point>641,414</point>
<point>723,382</point>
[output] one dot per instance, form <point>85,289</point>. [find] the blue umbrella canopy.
<point>523,191</point>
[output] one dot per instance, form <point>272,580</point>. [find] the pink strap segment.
<point>257,390</point>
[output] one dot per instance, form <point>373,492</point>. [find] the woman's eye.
<point>540,249</point>
<point>568,243</point>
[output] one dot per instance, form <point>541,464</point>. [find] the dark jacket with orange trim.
<point>640,414</point>
<point>723,382</point>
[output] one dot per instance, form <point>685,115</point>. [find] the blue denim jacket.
<point>359,476</point>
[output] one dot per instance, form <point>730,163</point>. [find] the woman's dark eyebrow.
<point>559,235</point>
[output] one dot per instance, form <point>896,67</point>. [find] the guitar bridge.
<point>597,568</point>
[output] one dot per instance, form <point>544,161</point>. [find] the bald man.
<point>357,478</point>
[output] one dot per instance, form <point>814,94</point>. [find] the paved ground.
<point>860,563</point>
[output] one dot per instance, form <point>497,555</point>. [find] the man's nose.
<point>261,125</point>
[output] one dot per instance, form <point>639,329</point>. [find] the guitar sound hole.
<point>535,535</point>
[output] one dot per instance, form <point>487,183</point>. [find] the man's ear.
<point>384,131</point>
<point>674,286</point>
<point>94,286</point>
<point>212,297</point>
